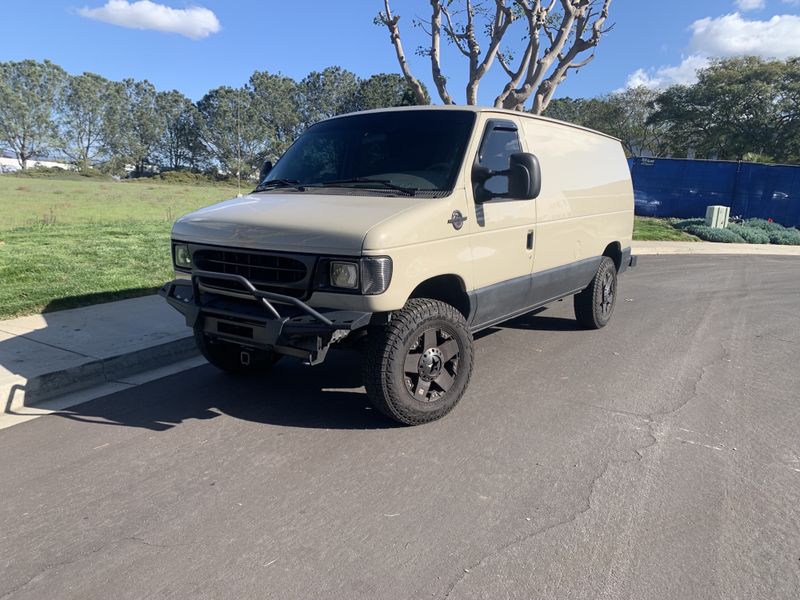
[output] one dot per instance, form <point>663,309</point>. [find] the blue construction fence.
<point>672,187</point>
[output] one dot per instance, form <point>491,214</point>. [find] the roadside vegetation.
<point>751,231</point>
<point>659,230</point>
<point>76,241</point>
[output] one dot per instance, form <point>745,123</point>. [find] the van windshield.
<point>410,151</point>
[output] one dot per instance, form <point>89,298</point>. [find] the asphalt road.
<point>658,458</point>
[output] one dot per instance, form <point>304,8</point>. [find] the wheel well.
<point>614,252</point>
<point>447,288</point>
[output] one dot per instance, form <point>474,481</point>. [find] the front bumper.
<point>276,322</point>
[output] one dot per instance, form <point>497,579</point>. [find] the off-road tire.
<point>227,356</point>
<point>391,348</point>
<point>595,304</point>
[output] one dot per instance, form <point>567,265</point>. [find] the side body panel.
<point>586,201</point>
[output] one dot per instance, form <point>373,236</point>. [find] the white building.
<point>9,163</point>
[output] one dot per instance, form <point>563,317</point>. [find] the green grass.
<point>28,201</point>
<point>658,230</point>
<point>69,243</point>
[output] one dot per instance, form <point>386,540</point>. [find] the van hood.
<point>292,221</point>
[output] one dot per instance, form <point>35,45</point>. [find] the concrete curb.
<point>40,388</point>
<point>645,248</point>
<point>50,355</point>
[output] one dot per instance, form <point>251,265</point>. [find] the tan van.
<point>402,232</point>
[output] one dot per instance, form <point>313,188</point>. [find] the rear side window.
<point>499,142</point>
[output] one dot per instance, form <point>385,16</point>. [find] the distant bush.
<point>42,172</point>
<point>59,173</point>
<point>787,237</point>
<point>195,178</point>
<point>92,174</point>
<point>764,225</point>
<point>710,234</point>
<point>184,177</point>
<point>751,235</point>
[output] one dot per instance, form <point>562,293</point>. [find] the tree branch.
<point>439,80</point>
<point>394,33</point>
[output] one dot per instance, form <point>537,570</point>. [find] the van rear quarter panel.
<point>586,201</point>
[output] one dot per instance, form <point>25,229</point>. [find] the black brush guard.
<point>302,331</point>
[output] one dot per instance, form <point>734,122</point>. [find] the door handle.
<point>530,239</point>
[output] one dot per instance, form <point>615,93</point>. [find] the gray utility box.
<point>717,216</point>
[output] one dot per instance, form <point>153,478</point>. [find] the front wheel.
<point>233,358</point>
<point>418,366</point>
<point>595,304</point>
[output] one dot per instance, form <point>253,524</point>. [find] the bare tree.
<point>559,36</point>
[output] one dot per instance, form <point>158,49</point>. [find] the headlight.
<point>368,275</point>
<point>344,275</point>
<point>183,259</point>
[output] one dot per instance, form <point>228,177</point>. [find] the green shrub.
<point>711,234</point>
<point>93,174</point>
<point>58,173</point>
<point>764,225</point>
<point>193,178</point>
<point>43,172</point>
<point>683,224</point>
<point>787,237</point>
<point>751,235</point>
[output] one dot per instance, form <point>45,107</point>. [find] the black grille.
<point>268,272</point>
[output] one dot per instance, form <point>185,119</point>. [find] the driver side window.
<point>499,142</point>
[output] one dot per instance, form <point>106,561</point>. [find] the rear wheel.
<point>233,358</point>
<point>417,367</point>
<point>595,304</point>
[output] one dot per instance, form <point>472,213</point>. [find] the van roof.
<point>478,109</point>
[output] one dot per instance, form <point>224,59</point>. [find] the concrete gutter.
<point>53,354</point>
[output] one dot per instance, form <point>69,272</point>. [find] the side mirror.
<point>265,169</point>
<point>524,179</point>
<point>524,176</point>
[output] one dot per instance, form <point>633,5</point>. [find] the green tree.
<point>275,99</point>
<point>233,130</point>
<point>385,90</point>
<point>28,95</point>
<point>82,109</point>
<point>133,124</point>
<point>738,107</point>
<point>327,93</point>
<point>180,146</point>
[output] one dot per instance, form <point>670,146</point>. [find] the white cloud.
<point>733,35</point>
<point>724,37</point>
<point>194,22</point>
<point>745,5</point>
<point>684,73</point>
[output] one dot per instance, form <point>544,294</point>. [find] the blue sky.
<point>653,42</point>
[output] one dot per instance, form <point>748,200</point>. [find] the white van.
<point>403,232</point>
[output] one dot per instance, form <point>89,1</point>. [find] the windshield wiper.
<point>279,183</point>
<point>387,183</point>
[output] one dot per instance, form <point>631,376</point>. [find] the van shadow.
<point>328,396</point>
